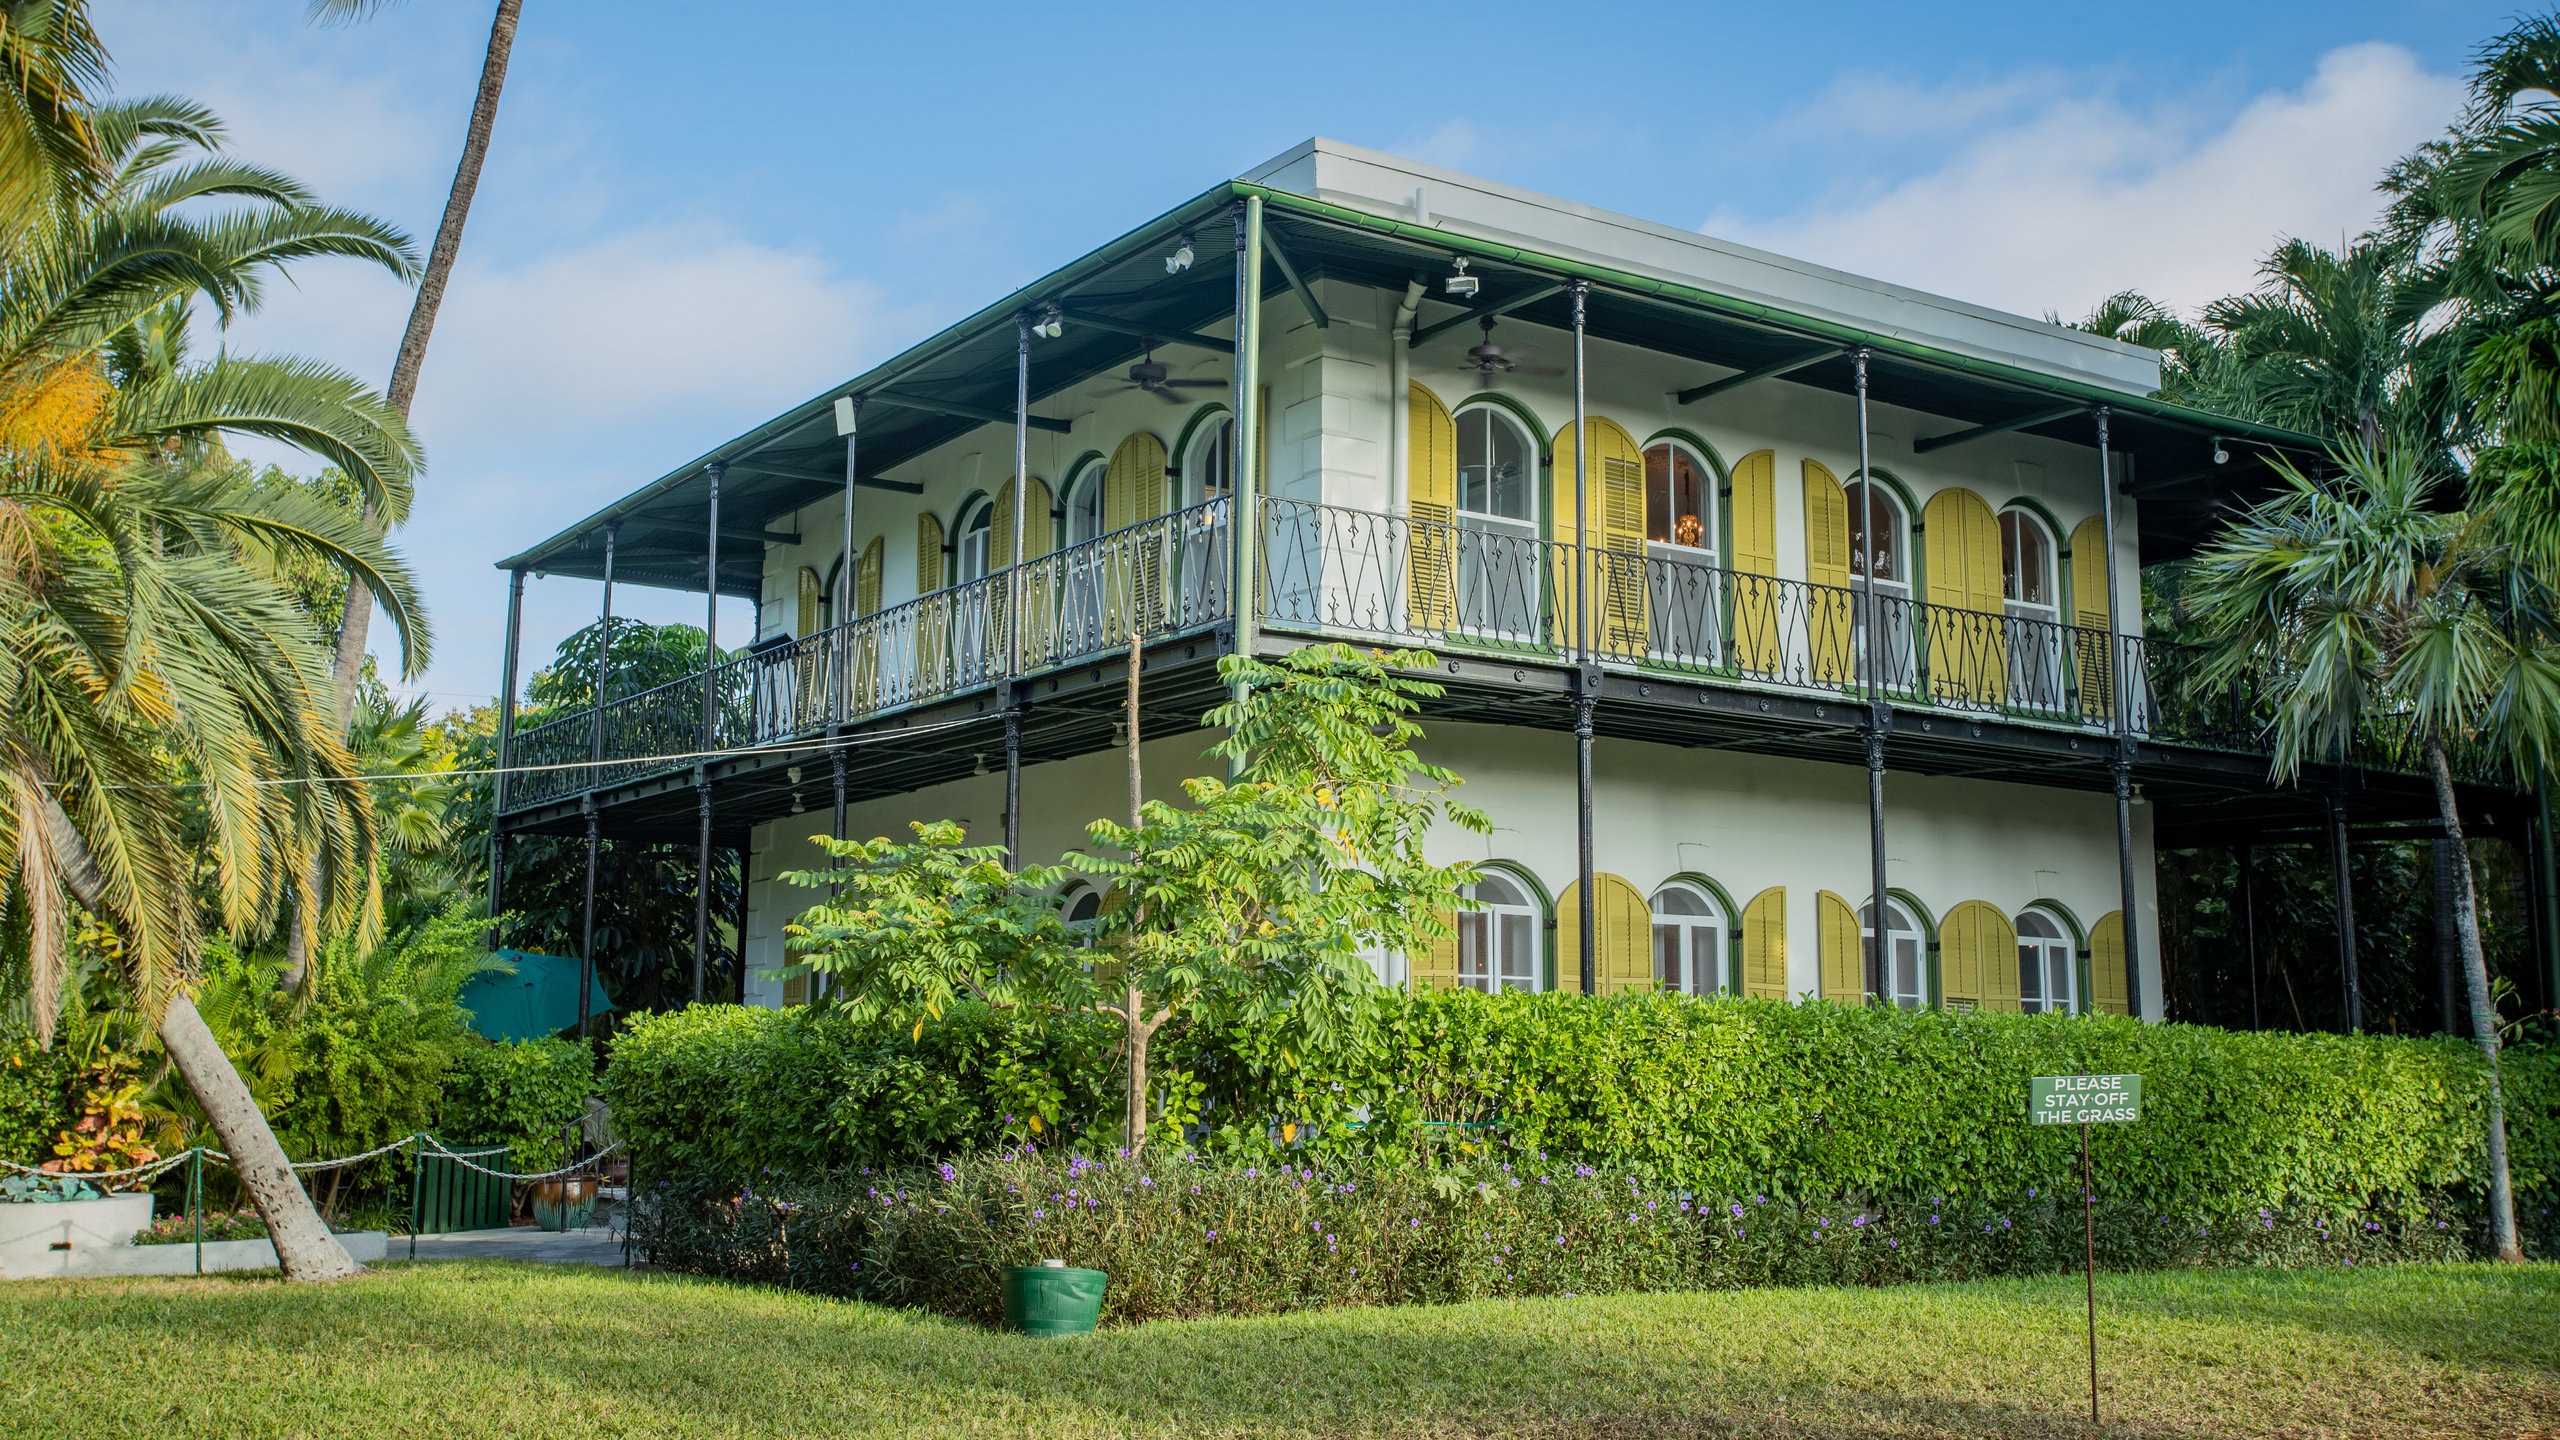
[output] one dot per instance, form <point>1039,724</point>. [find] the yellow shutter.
<point>1622,933</point>
<point>1133,486</point>
<point>1436,966</point>
<point>866,594</point>
<point>1844,966</point>
<point>1830,626</point>
<point>1755,553</point>
<point>1976,946</point>
<point>795,990</point>
<point>811,591</point>
<point>1968,649</point>
<point>1431,500</point>
<point>933,620</point>
<point>2095,654</point>
<point>1036,538</point>
<point>1613,500</point>
<point>2106,964</point>
<point>1764,945</point>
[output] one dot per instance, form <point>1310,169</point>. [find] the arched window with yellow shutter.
<point>1764,945</point>
<point>1977,958</point>
<point>1622,959</point>
<point>1756,611</point>
<point>933,618</point>
<point>1844,971</point>
<point>1613,516</point>
<point>2094,669</point>
<point>811,601</point>
<point>1968,653</point>
<point>1431,505</point>
<point>2107,988</point>
<point>1830,620</point>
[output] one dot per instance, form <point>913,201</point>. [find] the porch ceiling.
<point>796,458</point>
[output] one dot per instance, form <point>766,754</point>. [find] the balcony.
<point>1338,574</point>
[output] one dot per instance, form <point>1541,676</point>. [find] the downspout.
<point>1399,397</point>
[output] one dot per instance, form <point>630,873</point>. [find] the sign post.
<point>2086,1100</point>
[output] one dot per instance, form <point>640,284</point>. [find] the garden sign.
<point>2086,1100</point>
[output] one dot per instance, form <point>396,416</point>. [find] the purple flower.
<point>1737,1210</point>
<point>1146,1182</point>
<point>1821,1222</point>
<point>1893,1244</point>
<point>1039,1214</point>
<point>949,1174</point>
<point>2004,1224</point>
<point>857,1264</point>
<point>1213,1235</point>
<point>1859,1223</point>
<point>1559,1242</point>
<point>1631,1217</point>
<point>1759,1199</point>
<point>1933,1219</point>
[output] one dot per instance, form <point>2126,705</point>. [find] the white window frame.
<point>1487,933</point>
<point>1213,452</point>
<point>1686,934</point>
<point>1709,518</point>
<point>1084,490</point>
<point>1908,941</point>
<point>2057,950</point>
<point>975,532</point>
<point>1524,525</point>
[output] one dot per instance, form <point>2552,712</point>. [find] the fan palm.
<point>2356,605</point>
<point>358,616</point>
<point>2325,347</point>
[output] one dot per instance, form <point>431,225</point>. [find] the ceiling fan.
<point>1489,358</point>
<point>1151,377</point>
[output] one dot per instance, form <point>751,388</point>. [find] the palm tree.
<point>144,610</point>
<point>358,617</point>
<point>2355,605</point>
<point>2325,346</point>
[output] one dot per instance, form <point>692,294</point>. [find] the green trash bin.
<point>1052,1299</point>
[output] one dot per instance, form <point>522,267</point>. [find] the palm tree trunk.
<point>304,1246</point>
<point>2484,1016</point>
<point>358,616</point>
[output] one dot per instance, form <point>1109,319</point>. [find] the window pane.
<point>1473,952</point>
<point>2058,993</point>
<point>1706,960</point>
<point>1666,956</point>
<point>2026,560</point>
<point>1519,952</point>
<point>1494,465</point>
<point>1657,494</point>
<point>2031,978</point>
<point>1871,507</point>
<point>1495,890</point>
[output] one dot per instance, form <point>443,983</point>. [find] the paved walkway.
<point>601,1245</point>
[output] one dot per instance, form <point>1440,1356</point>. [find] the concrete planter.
<point>95,1237</point>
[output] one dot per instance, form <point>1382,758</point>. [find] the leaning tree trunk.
<point>304,1246</point>
<point>2484,1015</point>
<point>358,616</point>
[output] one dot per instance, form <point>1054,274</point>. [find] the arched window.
<point>1905,977</point>
<point>1081,905</point>
<point>976,530</point>
<point>2026,565</point>
<point>1497,469</point>
<point>1679,499</point>
<point>1874,506</point>
<point>1498,944</point>
<point>1688,941</point>
<point>1084,503</point>
<point>2046,975</point>
<point>1209,471</point>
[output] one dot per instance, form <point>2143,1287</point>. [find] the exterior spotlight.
<point>2221,455</point>
<point>1050,324</point>
<point>1462,285</point>
<point>1181,258</point>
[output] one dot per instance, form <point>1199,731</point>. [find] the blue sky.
<point>695,215</point>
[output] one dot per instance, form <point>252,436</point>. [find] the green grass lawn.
<point>472,1348</point>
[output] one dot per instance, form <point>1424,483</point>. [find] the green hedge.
<point>520,1093</point>
<point>1812,1102</point>
<point>726,1093</point>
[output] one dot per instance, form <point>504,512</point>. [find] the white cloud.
<point>2060,199</point>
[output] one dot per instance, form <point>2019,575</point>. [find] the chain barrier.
<point>569,1169</point>
<point>157,1168</point>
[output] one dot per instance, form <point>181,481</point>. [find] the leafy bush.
<point>33,1105</point>
<point>722,1093</point>
<point>1809,1101</point>
<point>1187,1237</point>
<point>523,1094</point>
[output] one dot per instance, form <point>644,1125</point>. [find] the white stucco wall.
<point>1746,821</point>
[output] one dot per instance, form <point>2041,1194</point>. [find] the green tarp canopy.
<point>538,1000</point>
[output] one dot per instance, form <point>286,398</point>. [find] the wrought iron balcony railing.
<point>1388,579</point>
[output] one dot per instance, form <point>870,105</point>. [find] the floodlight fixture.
<point>1462,286</point>
<point>1181,258</point>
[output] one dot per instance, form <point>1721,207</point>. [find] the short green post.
<point>195,1199</point>
<point>417,1171</point>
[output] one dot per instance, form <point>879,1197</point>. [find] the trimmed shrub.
<point>1184,1237</point>
<point>722,1093</point>
<point>1804,1102</point>
<point>523,1094</point>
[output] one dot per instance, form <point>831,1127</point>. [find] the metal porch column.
<point>1879,713</point>
<point>595,771</point>
<point>746,874</point>
<point>2122,766</point>
<point>2248,859</point>
<point>848,575</point>
<point>1013,590</point>
<point>1248,441</point>
<point>1586,697</point>
<point>506,746</point>
<point>2348,981</point>
<point>587,927</point>
<point>710,733</point>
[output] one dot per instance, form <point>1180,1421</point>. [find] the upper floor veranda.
<point>1406,452</point>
